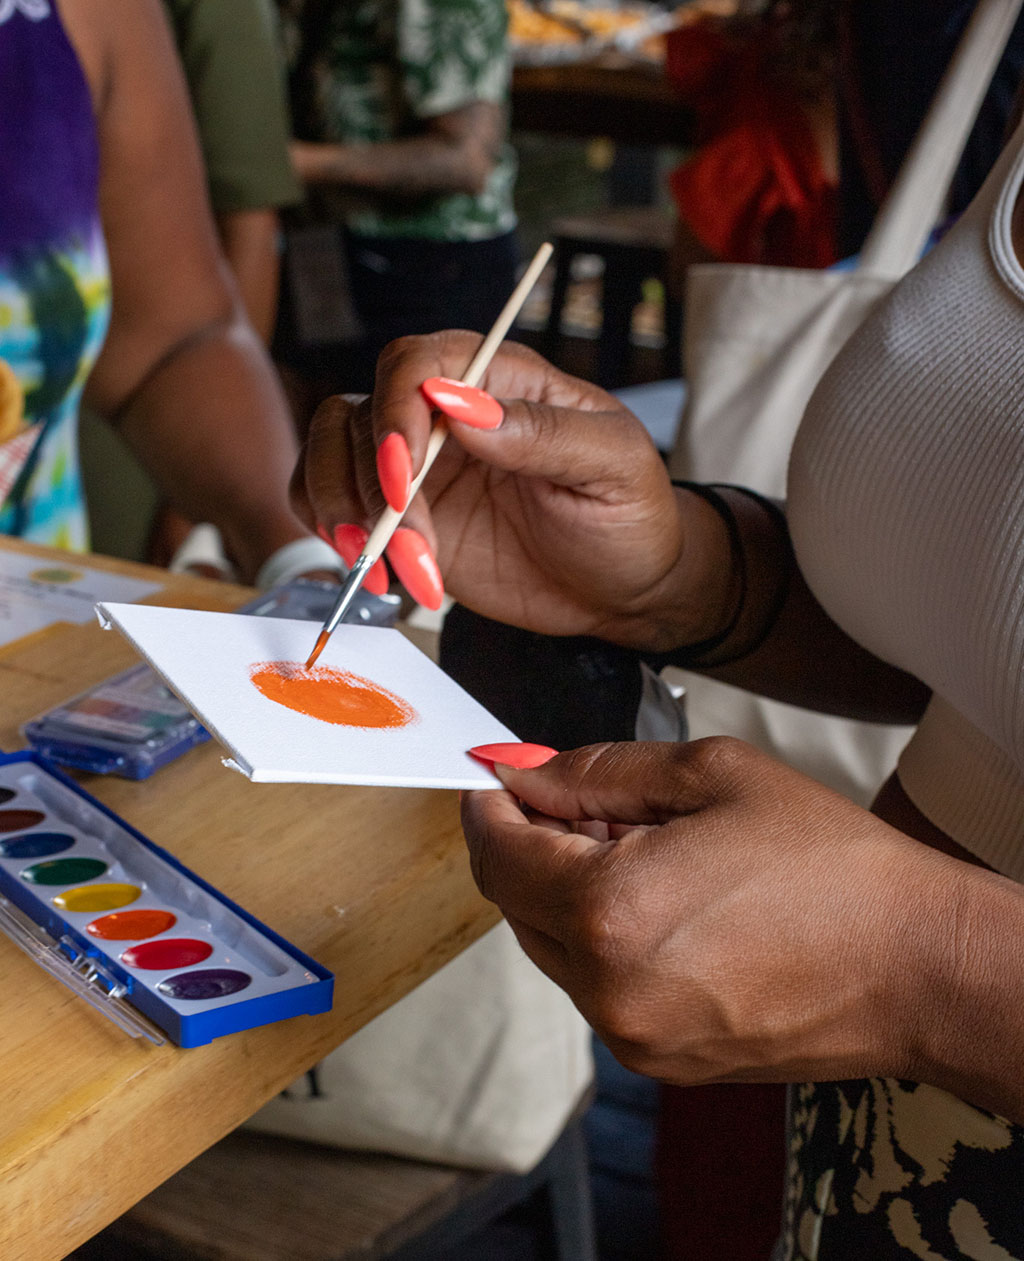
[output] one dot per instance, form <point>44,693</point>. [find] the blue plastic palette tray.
<point>122,922</point>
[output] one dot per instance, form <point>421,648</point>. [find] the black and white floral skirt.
<point>886,1170</point>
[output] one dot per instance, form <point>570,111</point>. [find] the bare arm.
<point>250,242</point>
<point>805,659</point>
<point>182,374</point>
<point>455,154</point>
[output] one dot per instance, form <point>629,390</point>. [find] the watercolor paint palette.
<point>129,725</point>
<point>128,927</point>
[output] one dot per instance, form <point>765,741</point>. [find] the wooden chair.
<point>256,1197</point>
<point>634,244</point>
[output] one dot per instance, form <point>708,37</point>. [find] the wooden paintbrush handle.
<point>389,520</point>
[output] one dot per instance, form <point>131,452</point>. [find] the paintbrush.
<point>390,520</point>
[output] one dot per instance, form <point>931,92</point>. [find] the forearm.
<point>406,168</point>
<point>210,424</point>
<point>965,1034</point>
<point>804,658</point>
<point>455,154</point>
<point>808,661</point>
<point>250,242</point>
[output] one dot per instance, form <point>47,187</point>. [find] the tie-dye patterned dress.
<point>54,277</point>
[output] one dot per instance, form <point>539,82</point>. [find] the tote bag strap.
<point>915,200</point>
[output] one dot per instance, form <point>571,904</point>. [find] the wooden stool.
<point>634,243</point>
<point>256,1197</point>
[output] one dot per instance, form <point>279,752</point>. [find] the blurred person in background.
<point>761,183</point>
<point>230,51</point>
<point>400,111</point>
<point>113,289</point>
<point>235,73</point>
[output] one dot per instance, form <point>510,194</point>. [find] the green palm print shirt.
<point>389,65</point>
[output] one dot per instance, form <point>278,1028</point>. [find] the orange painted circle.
<point>332,695</point>
<point>131,925</point>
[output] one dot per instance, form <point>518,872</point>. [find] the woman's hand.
<point>717,916</point>
<point>561,520</point>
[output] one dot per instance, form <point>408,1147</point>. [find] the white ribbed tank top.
<point>906,500</point>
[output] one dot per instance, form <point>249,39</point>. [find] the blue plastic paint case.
<point>128,725</point>
<point>213,969</point>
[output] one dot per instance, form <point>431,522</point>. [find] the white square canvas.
<point>207,658</point>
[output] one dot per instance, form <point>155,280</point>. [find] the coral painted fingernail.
<point>523,757</point>
<point>416,567</point>
<point>376,581</point>
<point>394,470</point>
<point>464,402</point>
<point>349,541</point>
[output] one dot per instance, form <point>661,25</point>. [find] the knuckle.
<point>597,773</point>
<point>611,925</point>
<point>482,868</point>
<point>629,1022</point>
<point>603,1013</point>
<point>394,352</point>
<point>541,424</point>
<point>719,761</point>
<point>330,416</point>
<point>588,762</point>
<point>530,359</point>
<point>360,425</point>
<point>638,1058</point>
<point>453,346</point>
<point>492,872</point>
<point>327,411</point>
<point>599,930</point>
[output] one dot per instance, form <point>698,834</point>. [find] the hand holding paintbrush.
<point>561,519</point>
<point>446,395</point>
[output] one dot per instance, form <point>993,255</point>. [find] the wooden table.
<point>374,883</point>
<point>624,99</point>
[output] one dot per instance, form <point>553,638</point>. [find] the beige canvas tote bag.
<point>481,1066</point>
<point>757,341</point>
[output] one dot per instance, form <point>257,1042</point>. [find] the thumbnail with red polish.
<point>523,757</point>
<point>416,567</point>
<point>349,541</point>
<point>394,470</point>
<point>463,402</point>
